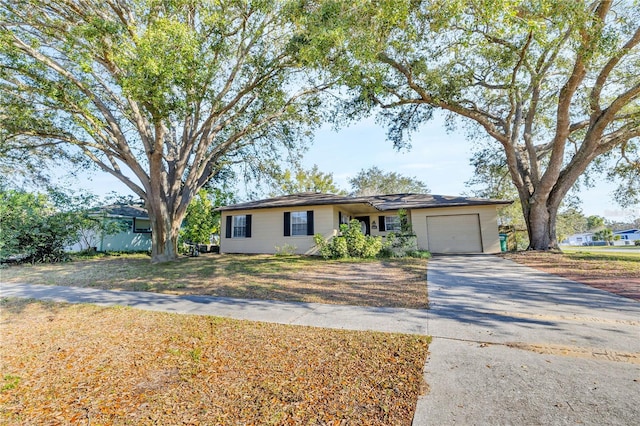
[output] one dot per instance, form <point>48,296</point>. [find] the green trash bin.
<point>503,242</point>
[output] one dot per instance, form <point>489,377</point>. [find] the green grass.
<point>601,253</point>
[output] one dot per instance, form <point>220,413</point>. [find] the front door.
<point>364,222</point>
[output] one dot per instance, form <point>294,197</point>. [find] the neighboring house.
<point>442,224</point>
<point>585,238</point>
<point>135,234</point>
<point>627,237</point>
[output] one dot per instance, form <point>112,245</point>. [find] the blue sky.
<point>437,157</point>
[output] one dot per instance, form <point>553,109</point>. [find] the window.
<point>298,223</point>
<point>392,223</point>
<point>238,226</point>
<point>141,226</point>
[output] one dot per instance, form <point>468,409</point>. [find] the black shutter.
<point>287,224</point>
<point>339,219</point>
<point>310,222</point>
<point>383,225</point>
<point>248,227</point>
<point>227,231</point>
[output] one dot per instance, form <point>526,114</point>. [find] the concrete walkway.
<point>511,345</point>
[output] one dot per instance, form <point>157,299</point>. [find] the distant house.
<point>134,236</point>
<point>583,239</point>
<point>442,224</point>
<point>627,237</point>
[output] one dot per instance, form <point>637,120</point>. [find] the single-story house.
<point>442,224</point>
<point>135,233</point>
<point>627,237</point>
<point>582,239</point>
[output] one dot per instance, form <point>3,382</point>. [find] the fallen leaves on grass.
<point>616,273</point>
<point>84,364</point>
<point>397,283</point>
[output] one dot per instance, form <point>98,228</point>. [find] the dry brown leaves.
<point>83,364</point>
<point>619,275</point>
<point>392,283</point>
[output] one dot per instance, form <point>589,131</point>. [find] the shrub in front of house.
<point>351,242</point>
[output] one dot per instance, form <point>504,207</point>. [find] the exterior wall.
<point>267,230</point>
<point>122,241</point>
<point>488,224</point>
<point>126,241</point>
<point>267,227</point>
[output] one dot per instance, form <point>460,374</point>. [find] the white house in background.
<point>585,238</point>
<point>627,237</point>
<point>442,224</point>
<point>135,234</point>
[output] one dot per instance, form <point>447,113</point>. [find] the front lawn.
<point>393,283</point>
<point>616,272</point>
<point>82,364</point>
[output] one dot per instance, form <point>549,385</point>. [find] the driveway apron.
<point>512,345</point>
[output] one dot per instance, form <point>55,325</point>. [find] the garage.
<point>454,233</point>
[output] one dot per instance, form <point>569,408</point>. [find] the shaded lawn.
<point>615,272</point>
<point>90,365</point>
<point>393,283</point>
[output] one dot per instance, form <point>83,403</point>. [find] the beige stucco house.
<point>442,224</point>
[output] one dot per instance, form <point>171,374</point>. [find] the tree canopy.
<point>554,84</point>
<point>301,180</point>
<point>161,94</point>
<point>374,181</point>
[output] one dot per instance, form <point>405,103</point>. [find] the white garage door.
<point>454,234</point>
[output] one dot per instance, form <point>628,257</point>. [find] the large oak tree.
<point>555,84</point>
<point>162,94</point>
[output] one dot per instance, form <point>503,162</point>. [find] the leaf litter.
<point>83,364</point>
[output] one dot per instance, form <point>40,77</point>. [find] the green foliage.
<point>33,229</point>
<point>402,243</point>
<point>570,221</point>
<point>552,84</point>
<point>200,221</point>
<point>605,235</point>
<point>164,95</point>
<point>636,242</point>
<point>301,180</point>
<point>350,243</point>
<point>374,181</point>
<point>595,222</point>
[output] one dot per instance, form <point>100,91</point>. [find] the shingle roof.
<point>379,202</point>
<point>124,210</point>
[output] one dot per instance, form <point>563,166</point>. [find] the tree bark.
<point>164,235</point>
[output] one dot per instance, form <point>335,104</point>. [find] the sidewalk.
<point>395,320</point>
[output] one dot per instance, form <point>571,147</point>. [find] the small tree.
<point>605,235</point>
<point>200,221</point>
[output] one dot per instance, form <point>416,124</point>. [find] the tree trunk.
<point>164,234</point>
<point>541,225</point>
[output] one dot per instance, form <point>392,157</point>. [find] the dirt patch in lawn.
<point>83,364</point>
<point>394,283</point>
<point>615,273</point>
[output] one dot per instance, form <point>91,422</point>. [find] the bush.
<point>350,243</point>
<point>637,243</point>
<point>32,229</point>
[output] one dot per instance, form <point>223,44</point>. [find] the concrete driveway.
<point>512,345</point>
